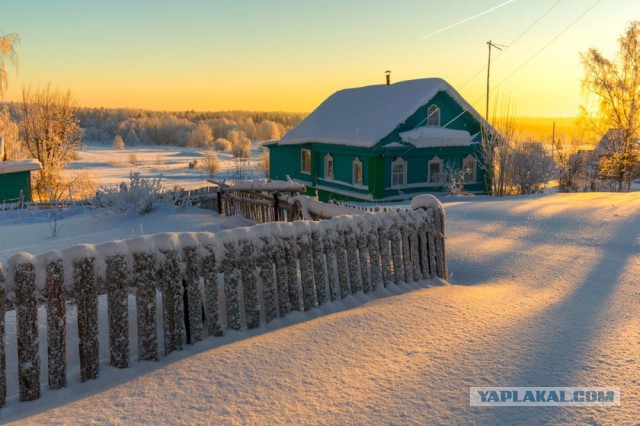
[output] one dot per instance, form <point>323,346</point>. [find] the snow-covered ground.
<point>545,292</point>
<point>109,166</point>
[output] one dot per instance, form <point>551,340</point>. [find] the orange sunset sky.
<point>291,55</point>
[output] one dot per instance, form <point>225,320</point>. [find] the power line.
<point>467,19</point>
<point>513,42</point>
<point>550,42</point>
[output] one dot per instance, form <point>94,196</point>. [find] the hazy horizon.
<point>290,56</point>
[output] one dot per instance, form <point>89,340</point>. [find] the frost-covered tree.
<point>8,43</point>
<point>132,138</point>
<point>12,149</point>
<point>118,143</point>
<point>269,130</point>
<point>221,144</point>
<point>210,163</point>
<point>50,131</point>
<point>201,136</point>
<point>530,168</point>
<point>241,148</point>
<point>614,87</point>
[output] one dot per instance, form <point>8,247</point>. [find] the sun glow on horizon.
<point>285,56</point>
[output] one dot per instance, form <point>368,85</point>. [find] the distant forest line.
<point>184,128</point>
<point>198,128</point>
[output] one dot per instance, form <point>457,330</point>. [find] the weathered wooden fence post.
<point>363,251</point>
<point>291,254</point>
<point>249,284</point>
<point>318,265</point>
<point>172,305</point>
<point>27,330</point>
<point>212,307</point>
<point>330,251</point>
<point>269,287</point>
<point>118,309</point>
<point>193,293</point>
<point>406,254</point>
<point>86,291</point>
<point>371,232</point>
<point>441,264</point>
<point>146,306</point>
<point>396,249</point>
<point>385,255</point>
<point>282,279</point>
<point>56,322</point>
<point>3,357</point>
<point>414,244</point>
<point>355,278</point>
<point>231,282</point>
<point>306,270</point>
<point>341,258</point>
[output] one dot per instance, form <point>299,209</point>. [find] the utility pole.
<point>553,141</point>
<point>499,47</point>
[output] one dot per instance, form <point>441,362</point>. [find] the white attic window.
<point>433,115</point>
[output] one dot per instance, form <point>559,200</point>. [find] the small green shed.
<point>385,143</point>
<point>15,177</point>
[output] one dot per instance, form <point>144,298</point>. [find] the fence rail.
<point>248,277</point>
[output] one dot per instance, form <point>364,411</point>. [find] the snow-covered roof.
<point>363,116</point>
<point>431,136</point>
<point>19,166</point>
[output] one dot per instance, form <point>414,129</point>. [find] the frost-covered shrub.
<point>141,195</point>
<point>221,144</point>
<point>118,142</point>
<point>454,179</point>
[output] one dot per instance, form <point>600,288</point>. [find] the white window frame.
<point>306,170</point>
<point>355,179</point>
<point>433,115</point>
<point>440,178</point>
<point>473,166</point>
<point>328,160</point>
<point>398,162</point>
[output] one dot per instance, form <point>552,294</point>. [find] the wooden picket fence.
<point>250,276</point>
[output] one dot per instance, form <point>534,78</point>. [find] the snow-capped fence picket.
<point>197,285</point>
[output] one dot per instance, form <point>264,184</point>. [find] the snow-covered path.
<point>545,293</point>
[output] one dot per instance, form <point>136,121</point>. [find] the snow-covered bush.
<point>221,144</point>
<point>210,164</point>
<point>141,195</point>
<point>454,179</point>
<point>242,148</point>
<point>118,143</point>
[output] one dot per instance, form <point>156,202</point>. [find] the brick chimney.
<point>388,75</point>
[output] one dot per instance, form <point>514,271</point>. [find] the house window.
<point>398,172</point>
<point>328,167</point>
<point>433,116</point>
<point>435,170</point>
<point>357,172</point>
<point>305,161</point>
<point>469,165</point>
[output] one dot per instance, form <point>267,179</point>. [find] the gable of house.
<point>357,137</point>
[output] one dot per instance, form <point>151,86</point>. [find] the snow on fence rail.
<point>235,279</point>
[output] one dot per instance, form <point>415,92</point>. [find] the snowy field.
<point>109,166</point>
<point>544,292</point>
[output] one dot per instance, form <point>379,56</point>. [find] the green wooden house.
<point>384,143</point>
<point>15,180</point>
